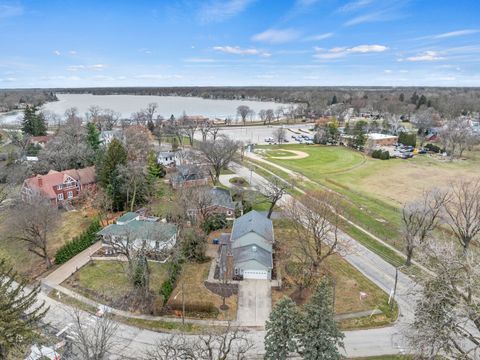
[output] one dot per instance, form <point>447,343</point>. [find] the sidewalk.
<point>71,266</point>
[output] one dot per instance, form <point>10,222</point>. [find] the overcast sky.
<point>53,43</point>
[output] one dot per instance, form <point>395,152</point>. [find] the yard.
<point>193,277</point>
<point>106,282</point>
<point>348,281</point>
<point>30,265</point>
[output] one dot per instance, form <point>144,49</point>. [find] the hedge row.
<point>408,139</point>
<point>380,154</point>
<point>168,285</point>
<point>78,243</point>
<point>194,307</point>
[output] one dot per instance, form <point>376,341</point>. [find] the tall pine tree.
<point>33,123</point>
<point>109,174</point>
<point>93,136</point>
<point>19,313</point>
<point>319,336</point>
<point>281,330</point>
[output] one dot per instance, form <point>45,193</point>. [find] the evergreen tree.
<point>334,99</point>
<point>109,175</point>
<point>33,124</point>
<point>319,337</point>
<point>93,136</point>
<point>282,330</point>
<point>175,144</point>
<point>19,312</point>
<point>421,101</point>
<point>154,169</point>
<point>402,97</point>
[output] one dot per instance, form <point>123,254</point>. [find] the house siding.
<point>252,238</point>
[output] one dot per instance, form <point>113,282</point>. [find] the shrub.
<point>214,222</point>
<point>174,269</point>
<point>194,307</point>
<point>433,148</point>
<point>407,139</point>
<point>380,154</point>
<point>78,243</point>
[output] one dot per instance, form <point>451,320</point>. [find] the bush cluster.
<point>380,154</point>
<point>174,270</point>
<point>407,139</point>
<point>214,222</point>
<point>433,148</point>
<point>194,307</point>
<point>78,243</point>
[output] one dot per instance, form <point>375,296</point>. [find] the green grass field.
<point>374,191</point>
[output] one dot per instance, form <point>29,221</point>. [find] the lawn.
<point>107,282</point>
<point>348,281</point>
<point>30,265</point>
<point>193,276</point>
<point>374,190</point>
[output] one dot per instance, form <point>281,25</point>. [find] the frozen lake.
<point>167,105</point>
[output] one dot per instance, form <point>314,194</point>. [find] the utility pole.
<point>391,300</point>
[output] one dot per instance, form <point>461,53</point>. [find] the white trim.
<point>60,197</point>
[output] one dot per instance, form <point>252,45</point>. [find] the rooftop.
<point>255,222</point>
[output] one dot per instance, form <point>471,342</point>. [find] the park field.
<point>373,191</point>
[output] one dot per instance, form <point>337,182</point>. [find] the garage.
<point>255,274</point>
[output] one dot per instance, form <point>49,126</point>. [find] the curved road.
<point>132,342</point>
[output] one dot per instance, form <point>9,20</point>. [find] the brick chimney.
<point>40,181</point>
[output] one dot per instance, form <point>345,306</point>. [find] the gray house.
<point>249,251</point>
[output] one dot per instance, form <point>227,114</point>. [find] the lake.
<point>167,105</point>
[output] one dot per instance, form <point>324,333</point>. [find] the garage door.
<point>255,274</point>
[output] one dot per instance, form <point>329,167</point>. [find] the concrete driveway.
<point>254,302</point>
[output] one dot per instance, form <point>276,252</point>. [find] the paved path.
<point>254,302</point>
<point>71,266</point>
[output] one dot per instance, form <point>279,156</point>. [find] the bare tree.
<point>218,154</point>
<point>420,218</point>
<point>262,114</point>
<point>394,123</point>
<point>463,211</point>
<point>217,344</point>
<point>279,113</point>
<point>33,223</point>
<point>447,317</point>
<point>214,132</point>
<point>205,127</point>
<point>269,115</point>
<point>243,111</point>
<point>94,336</point>
<point>423,121</point>
<point>315,219</point>
<point>279,135</point>
<point>195,202</point>
<point>274,190</point>
<point>189,127</point>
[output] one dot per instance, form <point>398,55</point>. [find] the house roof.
<point>129,216</point>
<point>44,184</point>
<point>252,252</point>
<point>255,222</point>
<point>222,197</point>
<point>144,230</point>
<point>85,175</point>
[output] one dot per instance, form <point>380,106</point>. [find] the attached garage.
<point>255,274</point>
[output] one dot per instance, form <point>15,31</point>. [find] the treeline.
<point>399,100</point>
<point>13,99</point>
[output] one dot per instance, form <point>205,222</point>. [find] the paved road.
<point>133,342</point>
<point>254,302</point>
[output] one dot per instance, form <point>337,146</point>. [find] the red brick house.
<point>59,186</point>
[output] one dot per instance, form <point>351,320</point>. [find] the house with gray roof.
<point>249,251</point>
<point>217,201</point>
<point>139,230</point>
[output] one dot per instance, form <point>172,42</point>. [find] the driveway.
<point>254,302</point>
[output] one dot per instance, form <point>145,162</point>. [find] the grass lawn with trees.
<point>30,265</point>
<point>348,283</point>
<point>106,281</point>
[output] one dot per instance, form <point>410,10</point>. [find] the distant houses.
<point>188,176</point>
<point>59,186</point>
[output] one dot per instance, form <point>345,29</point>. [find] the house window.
<point>60,196</point>
<point>70,194</point>
<point>60,186</point>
